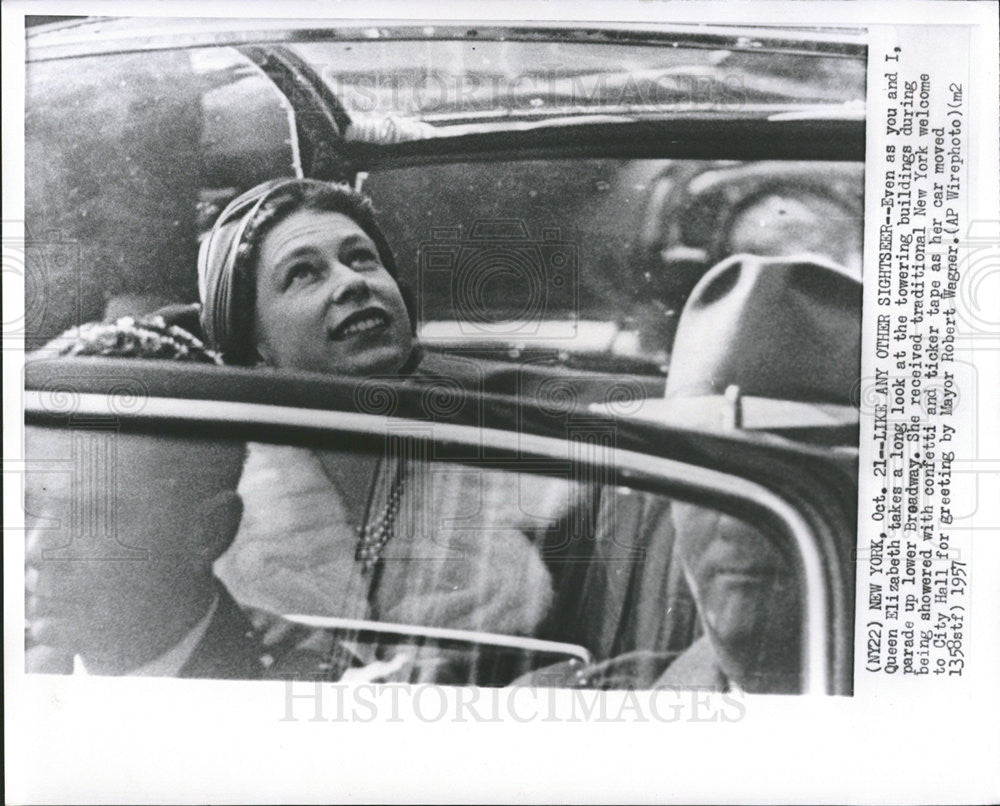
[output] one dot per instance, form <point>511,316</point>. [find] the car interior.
<point>552,254</point>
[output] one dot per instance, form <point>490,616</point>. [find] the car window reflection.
<point>247,564</point>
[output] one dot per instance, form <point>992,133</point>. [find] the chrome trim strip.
<point>824,659</point>
<point>111,35</point>
<point>494,639</point>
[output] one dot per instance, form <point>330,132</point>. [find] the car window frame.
<point>321,120</point>
<point>90,390</point>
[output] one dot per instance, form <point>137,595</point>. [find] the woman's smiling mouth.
<point>365,321</point>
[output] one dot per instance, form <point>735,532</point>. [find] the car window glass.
<point>128,158</point>
<point>584,263</point>
<point>588,262</point>
<point>430,570</point>
<point>446,82</point>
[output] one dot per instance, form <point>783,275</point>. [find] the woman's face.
<point>325,302</point>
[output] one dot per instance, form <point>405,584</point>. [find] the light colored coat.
<point>461,556</point>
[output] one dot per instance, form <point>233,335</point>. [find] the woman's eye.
<point>300,272</point>
<point>362,258</point>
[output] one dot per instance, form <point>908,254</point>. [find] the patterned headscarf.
<point>226,281</point>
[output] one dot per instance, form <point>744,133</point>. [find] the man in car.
<point>777,339</point>
<point>119,555</point>
<point>122,533</point>
<point>123,530</point>
<point>748,601</point>
<point>780,337</point>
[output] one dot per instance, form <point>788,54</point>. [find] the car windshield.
<point>130,158</point>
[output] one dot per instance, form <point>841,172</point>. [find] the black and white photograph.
<point>513,360</point>
<point>621,246</point>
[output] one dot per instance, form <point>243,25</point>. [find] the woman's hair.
<point>227,262</point>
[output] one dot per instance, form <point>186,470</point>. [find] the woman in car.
<point>297,275</point>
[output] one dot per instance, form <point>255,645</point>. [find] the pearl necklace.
<point>374,534</point>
